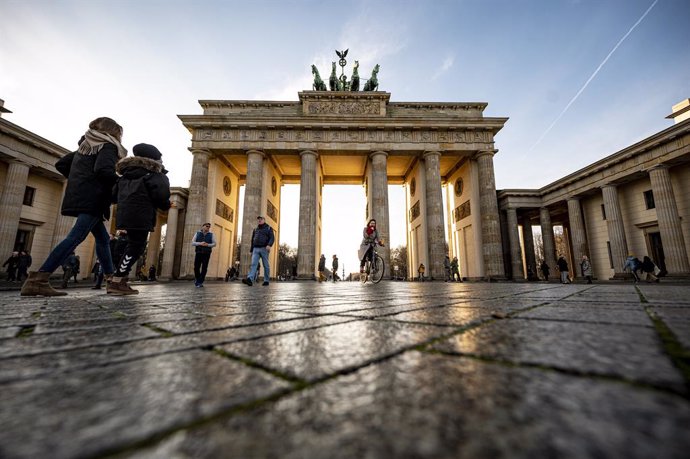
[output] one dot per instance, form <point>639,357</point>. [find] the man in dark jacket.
<point>204,241</point>
<point>11,264</point>
<point>90,173</point>
<point>334,265</point>
<point>563,268</point>
<point>142,189</point>
<point>262,241</point>
<point>69,269</point>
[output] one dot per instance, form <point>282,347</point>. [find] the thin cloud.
<point>544,134</point>
<point>447,64</point>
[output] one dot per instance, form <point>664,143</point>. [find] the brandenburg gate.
<point>347,137</point>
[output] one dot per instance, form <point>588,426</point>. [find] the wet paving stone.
<point>630,352</point>
<point>428,406</point>
<point>70,416</point>
<point>316,370</point>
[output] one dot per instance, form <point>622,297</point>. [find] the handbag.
<point>656,270</point>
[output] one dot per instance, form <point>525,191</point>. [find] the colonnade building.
<point>634,201</point>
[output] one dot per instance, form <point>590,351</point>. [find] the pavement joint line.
<point>643,299</point>
<point>674,349</point>
<point>25,331</point>
<point>567,371</point>
<point>580,321</point>
<point>161,331</point>
<point>253,364</point>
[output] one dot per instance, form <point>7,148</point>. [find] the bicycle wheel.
<point>377,269</point>
<point>365,275</point>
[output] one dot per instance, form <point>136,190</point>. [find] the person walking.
<point>454,271</point>
<point>152,273</point>
<point>204,241</point>
<point>12,262</point>
<point>370,236</point>
<point>421,271</point>
<point>632,264</point>
<point>77,268</point>
<point>334,266</point>
<point>90,173</point>
<point>563,268</point>
<point>262,241</point>
<point>142,189</point>
<point>586,268</point>
<point>446,268</point>
<point>68,268</point>
<point>117,245</point>
<point>322,268</point>
<point>96,268</point>
<point>25,261</point>
<point>545,270</point>
<point>650,270</point>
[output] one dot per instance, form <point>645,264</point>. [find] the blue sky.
<point>63,63</point>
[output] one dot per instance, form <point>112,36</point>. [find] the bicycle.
<point>373,267</point>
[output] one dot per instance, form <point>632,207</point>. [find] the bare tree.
<point>399,259</point>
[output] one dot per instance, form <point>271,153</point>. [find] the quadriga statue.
<point>319,85</point>
<point>354,83</point>
<point>373,83</point>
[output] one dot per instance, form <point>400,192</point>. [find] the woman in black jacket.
<point>142,189</point>
<point>90,173</point>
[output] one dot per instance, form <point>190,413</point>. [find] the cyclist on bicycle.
<point>366,248</point>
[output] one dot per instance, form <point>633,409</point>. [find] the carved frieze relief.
<point>343,108</point>
<point>342,135</point>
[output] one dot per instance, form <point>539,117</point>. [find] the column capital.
<point>377,153</point>
<point>481,153</point>
<point>18,162</point>
<point>200,151</point>
<point>431,153</point>
<point>256,152</point>
<point>609,185</point>
<point>308,152</point>
<point>657,167</point>
<point>573,198</point>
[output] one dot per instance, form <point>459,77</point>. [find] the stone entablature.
<point>17,143</point>
<point>670,146</point>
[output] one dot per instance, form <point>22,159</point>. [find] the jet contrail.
<point>592,77</point>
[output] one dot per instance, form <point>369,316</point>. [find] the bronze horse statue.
<point>373,83</point>
<point>333,81</point>
<point>318,85</point>
<point>354,83</point>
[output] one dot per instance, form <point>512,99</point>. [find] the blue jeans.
<point>84,225</point>
<point>263,253</point>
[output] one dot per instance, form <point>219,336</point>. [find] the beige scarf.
<point>94,141</point>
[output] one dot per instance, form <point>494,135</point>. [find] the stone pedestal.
<point>578,237</point>
<point>436,240</point>
<point>530,258</point>
<point>547,238</point>
<point>488,208</point>
<point>197,208</point>
<point>676,256</point>
<point>616,229</point>
<point>379,199</point>
<point>170,238</point>
<point>306,241</point>
<point>11,198</point>
<point>252,206</point>
<point>515,251</point>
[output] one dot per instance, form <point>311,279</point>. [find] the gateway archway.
<point>343,137</point>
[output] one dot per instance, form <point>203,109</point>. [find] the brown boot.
<point>37,285</point>
<point>118,286</point>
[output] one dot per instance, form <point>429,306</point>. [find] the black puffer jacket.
<point>90,181</point>
<point>142,188</point>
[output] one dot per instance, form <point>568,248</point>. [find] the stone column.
<point>11,199</point>
<point>379,200</point>
<point>306,240</point>
<point>547,238</point>
<point>434,215</point>
<point>488,208</point>
<point>197,208</point>
<point>614,224</point>
<point>252,206</point>
<point>578,237</point>
<point>676,256</point>
<point>170,238</point>
<point>530,259</point>
<point>515,251</point>
<point>154,246</point>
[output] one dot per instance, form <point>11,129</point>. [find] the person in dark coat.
<point>262,241</point>
<point>25,261</point>
<point>204,241</point>
<point>69,269</point>
<point>322,268</point>
<point>152,273</point>
<point>141,189</point>
<point>545,270</point>
<point>563,268</point>
<point>90,173</point>
<point>334,265</point>
<point>12,262</point>
<point>648,268</point>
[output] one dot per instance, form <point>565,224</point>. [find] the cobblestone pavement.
<point>307,370</point>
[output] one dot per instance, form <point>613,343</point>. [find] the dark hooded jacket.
<point>90,180</point>
<point>142,188</point>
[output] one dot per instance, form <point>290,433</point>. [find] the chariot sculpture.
<point>341,83</point>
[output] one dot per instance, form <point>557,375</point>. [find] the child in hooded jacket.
<point>142,188</point>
